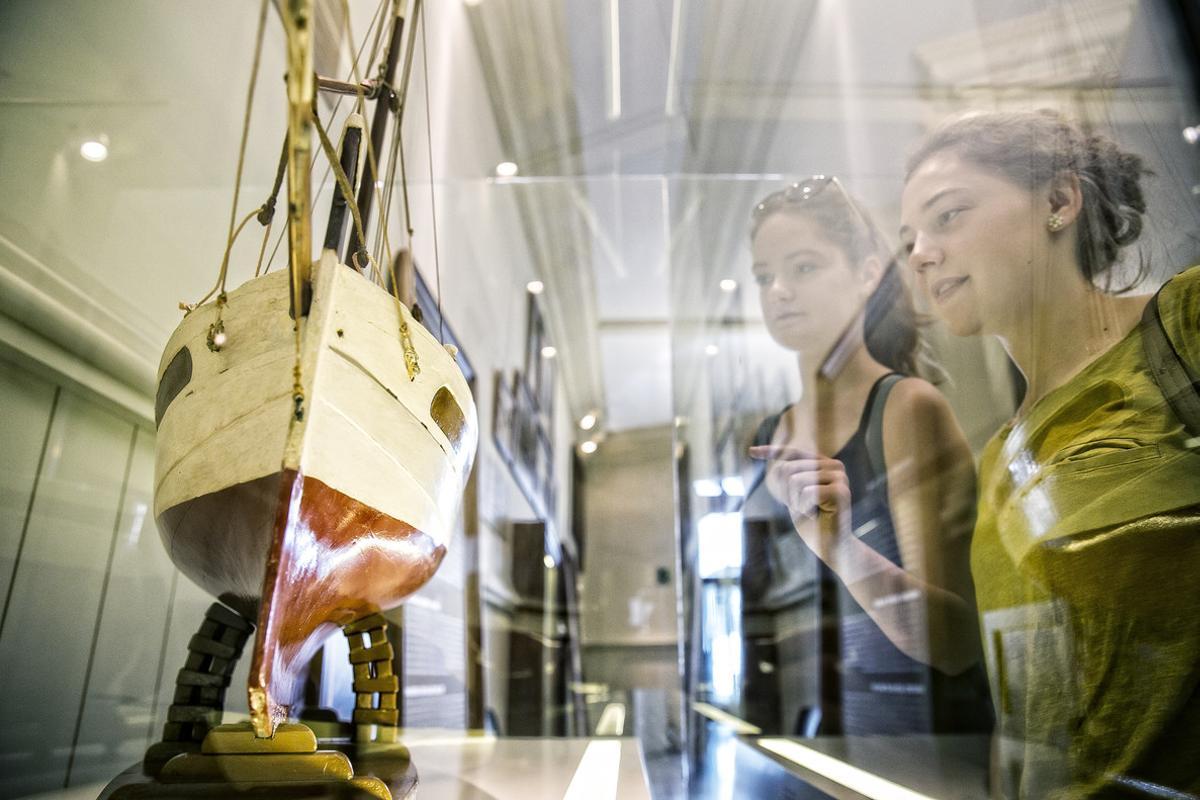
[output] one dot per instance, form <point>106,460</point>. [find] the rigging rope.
<point>343,183</point>
<point>377,27</point>
<point>388,191</point>
<point>437,264</point>
<point>371,159</point>
<point>411,363</point>
<point>266,214</point>
<point>237,185</point>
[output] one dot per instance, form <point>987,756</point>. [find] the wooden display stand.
<point>200,758</point>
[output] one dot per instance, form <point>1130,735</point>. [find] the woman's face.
<point>974,241</point>
<point>808,291</point>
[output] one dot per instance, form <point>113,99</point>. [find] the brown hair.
<point>891,325</point>
<point>1030,148</point>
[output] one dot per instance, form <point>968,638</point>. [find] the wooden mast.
<point>297,21</point>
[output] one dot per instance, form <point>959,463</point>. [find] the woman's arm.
<point>927,610</point>
<point>931,491</point>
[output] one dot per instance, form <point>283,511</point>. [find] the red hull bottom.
<point>304,563</point>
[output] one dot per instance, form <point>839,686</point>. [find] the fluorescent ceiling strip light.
<point>614,59</point>
<point>853,778</point>
<point>671,107</point>
<point>596,776</point>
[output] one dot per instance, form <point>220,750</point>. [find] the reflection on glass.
<point>868,472</point>
<point>560,618</point>
<point>721,640</point>
<point>720,544</point>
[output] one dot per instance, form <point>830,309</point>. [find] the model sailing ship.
<point>313,444</point>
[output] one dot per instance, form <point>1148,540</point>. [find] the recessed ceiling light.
<point>728,285</point>
<point>587,421</point>
<point>548,561</point>
<point>588,447</point>
<point>535,287</point>
<point>94,150</point>
<point>711,350</point>
<point>506,169</point>
<point>549,351</point>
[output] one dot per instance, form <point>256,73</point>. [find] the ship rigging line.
<point>377,27</point>
<point>343,182</point>
<point>372,161</point>
<point>237,184</point>
<point>437,264</point>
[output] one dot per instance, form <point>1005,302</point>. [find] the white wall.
<point>630,523</point>
<point>95,619</point>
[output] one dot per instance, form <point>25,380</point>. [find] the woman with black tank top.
<point>870,471</point>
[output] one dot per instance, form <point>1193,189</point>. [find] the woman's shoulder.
<point>917,416</point>
<point>914,399</point>
<point>1179,310</point>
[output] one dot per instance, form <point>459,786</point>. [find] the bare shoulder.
<point>914,401</point>
<point>918,418</point>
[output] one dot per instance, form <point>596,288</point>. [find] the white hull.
<point>366,430</point>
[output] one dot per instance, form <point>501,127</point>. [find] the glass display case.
<point>825,445</point>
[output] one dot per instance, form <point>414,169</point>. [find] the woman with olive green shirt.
<point>1089,535</point>
<point>1086,552</point>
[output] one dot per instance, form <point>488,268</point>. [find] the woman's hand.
<point>813,487</point>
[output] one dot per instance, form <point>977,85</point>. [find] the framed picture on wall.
<point>502,417</point>
<point>539,370</point>
<point>545,471</point>
<point>525,437</point>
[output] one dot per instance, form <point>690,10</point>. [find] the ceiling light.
<point>587,421</point>
<point>1191,134</point>
<point>734,486</point>
<point>506,169</point>
<point>711,350</point>
<point>535,287</point>
<point>588,447</point>
<point>549,351</point>
<point>378,184</point>
<point>706,487</point>
<point>548,561</point>
<point>94,150</point>
<point>729,285</point>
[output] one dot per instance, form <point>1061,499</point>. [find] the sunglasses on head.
<point>795,193</point>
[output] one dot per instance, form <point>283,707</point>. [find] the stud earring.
<point>1055,223</point>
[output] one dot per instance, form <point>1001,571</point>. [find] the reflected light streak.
<point>853,778</point>
<point>135,527</point>
<point>726,758</point>
<point>309,556</point>
<point>596,776</point>
<point>833,24</point>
